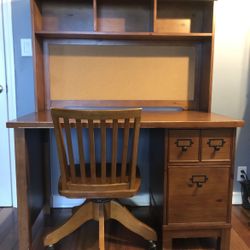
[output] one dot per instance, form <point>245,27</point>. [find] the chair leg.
<point>82,215</point>
<point>101,227</point>
<point>118,212</point>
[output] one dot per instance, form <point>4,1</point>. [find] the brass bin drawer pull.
<point>184,144</point>
<point>199,180</point>
<point>217,144</point>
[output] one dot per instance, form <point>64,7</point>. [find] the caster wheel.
<point>152,245</point>
<point>51,247</point>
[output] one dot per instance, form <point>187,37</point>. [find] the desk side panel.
<point>30,165</point>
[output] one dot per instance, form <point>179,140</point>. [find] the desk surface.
<point>149,119</point>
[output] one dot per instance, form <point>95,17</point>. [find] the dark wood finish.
<point>175,16</point>
<point>97,187</point>
<point>31,147</point>
<point>185,22</point>
<point>94,185</point>
<point>188,24</point>
<point>210,178</point>
<point>128,35</point>
<point>186,203</point>
<point>24,233</point>
<point>39,76</point>
<point>149,119</point>
<point>64,16</point>
<point>216,145</point>
<point>124,16</point>
<point>206,67</point>
<point>183,146</point>
<point>117,236</point>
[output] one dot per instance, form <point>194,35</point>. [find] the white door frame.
<point>11,90</point>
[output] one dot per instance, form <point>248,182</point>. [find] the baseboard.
<point>59,201</point>
<point>62,202</point>
<point>237,200</point>
<point>138,200</point>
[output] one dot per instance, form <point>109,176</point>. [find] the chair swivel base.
<point>100,212</point>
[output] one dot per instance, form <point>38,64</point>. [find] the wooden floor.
<point>117,237</point>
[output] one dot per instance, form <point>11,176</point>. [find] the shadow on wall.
<point>243,142</point>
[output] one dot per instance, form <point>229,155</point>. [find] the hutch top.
<point>148,53</point>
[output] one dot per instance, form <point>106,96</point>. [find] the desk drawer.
<point>183,145</point>
<point>216,144</point>
<point>197,194</point>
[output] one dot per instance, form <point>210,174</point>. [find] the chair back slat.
<point>81,149</point>
<point>114,150</point>
<point>61,151</point>
<point>103,150</point>
<point>109,166</point>
<point>70,149</point>
<point>134,151</point>
<point>125,150</point>
<point>92,150</point>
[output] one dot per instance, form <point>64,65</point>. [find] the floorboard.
<point>116,236</point>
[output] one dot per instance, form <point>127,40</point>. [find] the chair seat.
<point>95,191</point>
<point>100,189</point>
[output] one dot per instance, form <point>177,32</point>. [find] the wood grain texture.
<point>180,22</point>
<point>93,184</point>
<point>183,146</point>
<point>213,192</point>
<point>149,119</point>
<point>22,173</point>
<point>117,237</point>
<point>120,16</point>
<point>220,137</point>
<point>183,17</point>
<point>141,36</point>
<point>63,16</point>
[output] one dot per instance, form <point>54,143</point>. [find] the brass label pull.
<point>199,180</point>
<point>184,144</point>
<point>217,144</point>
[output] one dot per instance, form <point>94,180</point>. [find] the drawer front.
<point>183,146</point>
<point>197,194</point>
<point>216,144</point>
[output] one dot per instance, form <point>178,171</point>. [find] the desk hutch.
<point>155,54</point>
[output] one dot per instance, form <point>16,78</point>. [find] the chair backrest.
<point>86,124</point>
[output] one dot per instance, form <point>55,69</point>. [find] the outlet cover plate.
<point>240,168</point>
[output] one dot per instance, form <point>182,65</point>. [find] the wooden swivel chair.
<point>98,182</point>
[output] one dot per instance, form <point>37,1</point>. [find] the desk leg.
<point>22,178</point>
<point>31,146</point>
<point>225,239</point>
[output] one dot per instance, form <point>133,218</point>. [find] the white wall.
<point>231,84</point>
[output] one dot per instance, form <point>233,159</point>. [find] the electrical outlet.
<point>239,173</point>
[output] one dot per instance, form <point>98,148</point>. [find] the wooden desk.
<point>32,167</point>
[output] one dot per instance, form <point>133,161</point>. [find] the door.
<point>5,170</point>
